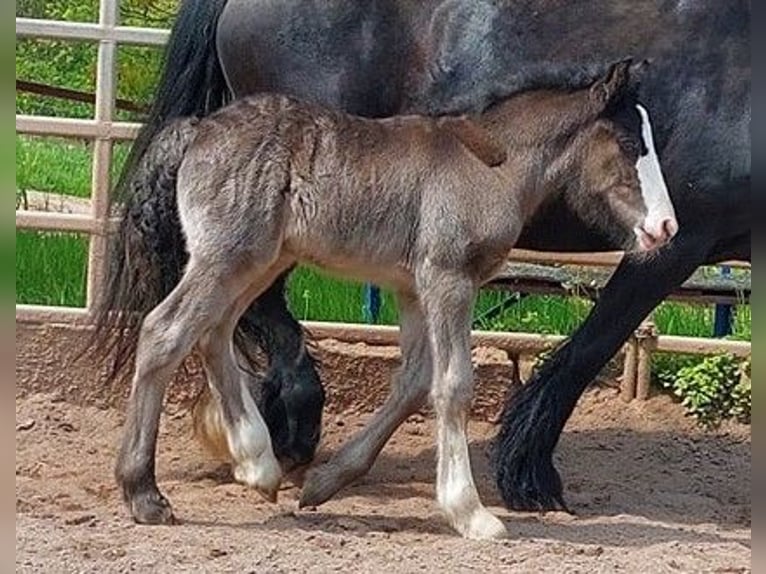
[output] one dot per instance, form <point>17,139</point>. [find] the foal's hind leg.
<point>409,392</point>
<point>448,301</point>
<point>167,335</point>
<point>246,433</point>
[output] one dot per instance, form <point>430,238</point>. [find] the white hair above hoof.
<point>209,427</point>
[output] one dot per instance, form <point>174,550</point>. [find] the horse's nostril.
<point>669,228</point>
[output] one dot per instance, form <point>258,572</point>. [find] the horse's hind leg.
<point>408,393</point>
<point>448,301</point>
<point>167,335</point>
<point>245,431</point>
<point>292,396</point>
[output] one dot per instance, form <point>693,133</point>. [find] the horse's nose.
<point>654,234</point>
<point>661,231</point>
<point>670,227</point>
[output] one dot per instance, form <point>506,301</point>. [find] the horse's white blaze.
<point>653,189</point>
<point>255,463</point>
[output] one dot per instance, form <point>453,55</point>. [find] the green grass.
<point>697,320</point>
<point>546,314</point>
<point>36,158</point>
<point>315,296</point>
<point>51,268</point>
<point>59,165</point>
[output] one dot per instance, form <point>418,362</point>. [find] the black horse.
<point>381,57</point>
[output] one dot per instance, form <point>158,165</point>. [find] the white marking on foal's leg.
<point>455,488</point>
<point>250,445</point>
<point>448,306</point>
<point>660,216</point>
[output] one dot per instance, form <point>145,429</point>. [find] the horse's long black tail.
<point>148,259</point>
<point>146,256</point>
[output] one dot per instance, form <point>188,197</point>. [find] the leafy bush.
<point>713,389</point>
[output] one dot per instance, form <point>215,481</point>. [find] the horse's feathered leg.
<point>291,395</point>
<point>408,393</point>
<point>535,416</point>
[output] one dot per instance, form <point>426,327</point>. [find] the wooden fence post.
<point>646,337</point>
<point>628,385</point>
<point>102,154</point>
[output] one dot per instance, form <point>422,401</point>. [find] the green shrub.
<point>741,395</point>
<point>712,389</point>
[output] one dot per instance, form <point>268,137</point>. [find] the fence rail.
<point>104,131</point>
<point>106,30</point>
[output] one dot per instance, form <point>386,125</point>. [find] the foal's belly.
<point>386,272</point>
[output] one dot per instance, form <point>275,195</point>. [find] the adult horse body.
<point>376,58</point>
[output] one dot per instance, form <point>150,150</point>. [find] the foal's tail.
<point>147,254</point>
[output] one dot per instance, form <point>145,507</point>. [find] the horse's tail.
<point>146,256</point>
<point>192,82</point>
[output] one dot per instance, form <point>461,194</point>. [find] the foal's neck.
<point>537,129</point>
<point>536,118</point>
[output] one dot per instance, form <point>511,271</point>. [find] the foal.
<point>429,207</point>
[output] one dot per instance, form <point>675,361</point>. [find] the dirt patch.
<point>651,492</point>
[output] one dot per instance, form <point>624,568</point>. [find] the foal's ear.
<point>612,85</point>
<point>475,138</point>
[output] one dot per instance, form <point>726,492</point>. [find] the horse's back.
<point>376,58</point>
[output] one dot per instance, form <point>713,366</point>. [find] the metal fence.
<point>103,130</point>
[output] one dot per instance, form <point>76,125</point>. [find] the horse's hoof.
<point>151,508</point>
<point>483,525</point>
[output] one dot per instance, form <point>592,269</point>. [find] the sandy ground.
<point>651,494</point>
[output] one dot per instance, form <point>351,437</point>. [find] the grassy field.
<point>50,268</point>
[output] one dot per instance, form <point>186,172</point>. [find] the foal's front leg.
<point>448,301</point>
<point>409,391</point>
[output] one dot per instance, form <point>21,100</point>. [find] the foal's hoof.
<point>488,527</point>
<point>319,486</point>
<point>270,495</point>
<point>481,525</point>
<point>265,478</point>
<point>151,508</point>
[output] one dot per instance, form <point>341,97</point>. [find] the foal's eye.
<point>629,145</point>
